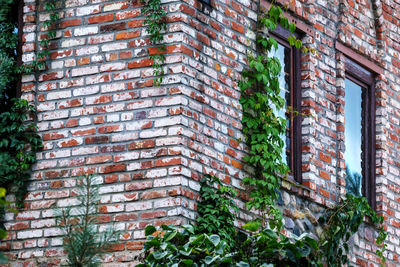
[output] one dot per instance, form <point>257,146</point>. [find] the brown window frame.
<point>281,35</point>
<point>366,79</point>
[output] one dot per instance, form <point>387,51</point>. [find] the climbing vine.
<point>156,24</point>
<point>40,61</point>
<point>261,242</point>
<point>18,139</point>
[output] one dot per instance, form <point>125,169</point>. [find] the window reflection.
<point>353,137</point>
<point>283,55</point>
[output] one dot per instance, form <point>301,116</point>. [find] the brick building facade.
<point>98,112</point>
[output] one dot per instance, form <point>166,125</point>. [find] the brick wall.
<point>99,113</point>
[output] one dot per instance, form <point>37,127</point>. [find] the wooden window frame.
<point>366,79</point>
<point>281,36</point>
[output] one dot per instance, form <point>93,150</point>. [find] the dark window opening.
<point>207,2</point>
<point>360,132</point>
<point>289,82</point>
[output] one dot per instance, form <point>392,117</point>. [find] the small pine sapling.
<point>83,242</point>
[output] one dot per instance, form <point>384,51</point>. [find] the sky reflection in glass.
<point>283,55</point>
<point>353,136</point>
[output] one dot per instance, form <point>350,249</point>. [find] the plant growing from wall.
<point>40,61</point>
<point>18,145</point>
<point>84,242</point>
<point>156,23</point>
<point>264,130</point>
<point>18,139</point>
<point>216,210</point>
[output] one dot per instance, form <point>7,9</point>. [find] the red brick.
<point>325,157</point>
<point>127,35</point>
<point>101,18</point>
<point>69,23</point>
<point>167,162</point>
<point>113,27</point>
<point>96,140</point>
<point>98,159</point>
<point>140,63</point>
<point>153,214</point>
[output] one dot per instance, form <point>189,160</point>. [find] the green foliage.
<point>262,126</point>
<point>182,247</point>
<point>340,223</point>
<point>156,23</point>
<point>217,210</point>
<point>83,242</point>
<point>8,56</point>
<point>267,246</point>
<point>221,244</point>
<point>18,146</point>
<point>4,205</point>
<point>19,142</point>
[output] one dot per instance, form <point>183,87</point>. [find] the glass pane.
<point>283,55</point>
<point>353,137</point>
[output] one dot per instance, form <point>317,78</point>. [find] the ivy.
<point>341,222</point>
<point>18,145</point>
<point>40,61</point>
<point>216,209</point>
<point>156,24</point>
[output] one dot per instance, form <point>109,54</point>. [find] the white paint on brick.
<point>170,181</point>
<point>111,188</point>
<point>126,156</point>
<point>114,46</point>
<point>87,51</point>
<point>86,30</point>
<point>135,206</point>
<point>85,71</point>
<point>73,42</point>
<point>87,10</point>
<point>156,173</point>
<point>152,133</point>
<point>124,137</point>
<point>29,234</point>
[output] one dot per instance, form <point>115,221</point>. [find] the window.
<point>360,131</point>
<point>289,81</point>
<point>207,2</point>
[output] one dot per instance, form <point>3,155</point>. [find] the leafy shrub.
<point>182,247</point>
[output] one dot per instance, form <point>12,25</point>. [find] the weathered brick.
<point>98,111</point>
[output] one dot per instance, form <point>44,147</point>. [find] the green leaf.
<point>149,230</point>
<point>292,28</point>
<point>187,262</point>
<point>159,255</point>
<point>215,239</point>
<point>251,226</point>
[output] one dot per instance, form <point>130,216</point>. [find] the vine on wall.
<point>18,139</point>
<point>262,242</point>
<point>156,24</point>
<point>40,61</point>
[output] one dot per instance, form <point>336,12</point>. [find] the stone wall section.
<point>99,113</point>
